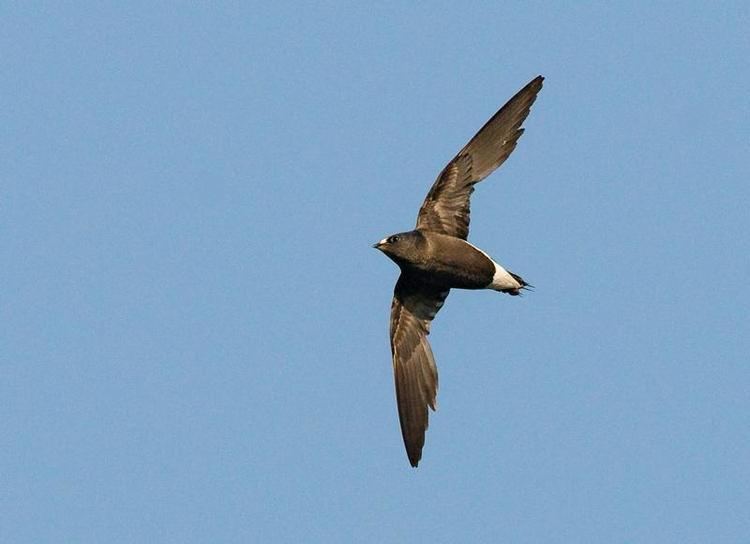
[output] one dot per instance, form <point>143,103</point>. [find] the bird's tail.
<point>515,291</point>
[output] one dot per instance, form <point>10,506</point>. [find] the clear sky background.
<point>194,341</point>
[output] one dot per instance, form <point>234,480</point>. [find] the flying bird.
<point>435,258</point>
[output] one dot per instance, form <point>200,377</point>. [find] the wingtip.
<point>537,82</point>
<point>414,453</point>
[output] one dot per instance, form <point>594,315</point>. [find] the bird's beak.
<point>380,244</point>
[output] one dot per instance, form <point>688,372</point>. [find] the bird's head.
<point>401,247</point>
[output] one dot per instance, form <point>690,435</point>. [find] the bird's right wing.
<point>446,207</point>
<point>413,308</point>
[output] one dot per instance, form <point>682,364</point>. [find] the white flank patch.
<point>502,280</point>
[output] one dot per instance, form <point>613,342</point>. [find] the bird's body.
<point>452,263</point>
<point>435,258</point>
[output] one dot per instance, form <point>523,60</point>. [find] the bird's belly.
<point>456,276</point>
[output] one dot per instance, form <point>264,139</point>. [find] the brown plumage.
<point>446,207</point>
<point>436,257</point>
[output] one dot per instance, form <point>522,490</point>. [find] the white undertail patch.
<point>501,280</point>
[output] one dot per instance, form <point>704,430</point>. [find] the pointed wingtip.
<point>534,85</point>
<point>414,453</point>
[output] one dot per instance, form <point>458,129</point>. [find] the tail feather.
<point>520,280</point>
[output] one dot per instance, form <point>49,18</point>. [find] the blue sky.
<point>194,326</point>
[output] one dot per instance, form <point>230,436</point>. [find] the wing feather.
<point>446,207</point>
<point>414,369</point>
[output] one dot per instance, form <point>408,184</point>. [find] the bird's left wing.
<point>413,308</point>
<point>446,207</point>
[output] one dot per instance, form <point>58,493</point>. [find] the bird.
<point>436,257</point>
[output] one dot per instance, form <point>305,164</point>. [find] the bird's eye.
<point>393,239</point>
